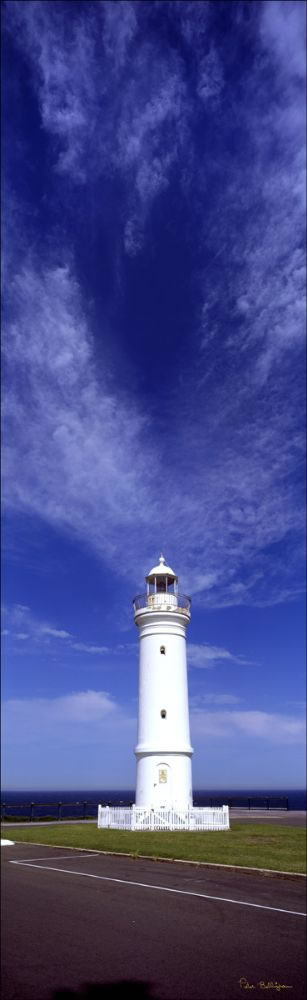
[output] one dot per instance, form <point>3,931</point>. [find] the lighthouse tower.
<point>163,798</point>
<point>163,751</point>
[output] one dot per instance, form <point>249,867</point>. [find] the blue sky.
<point>153,334</point>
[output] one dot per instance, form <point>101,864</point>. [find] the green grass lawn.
<point>282,848</point>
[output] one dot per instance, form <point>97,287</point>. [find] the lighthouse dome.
<point>161,570</point>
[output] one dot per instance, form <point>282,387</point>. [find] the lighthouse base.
<point>146,818</point>
<point>164,780</point>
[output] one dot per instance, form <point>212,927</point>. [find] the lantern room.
<point>162,579</point>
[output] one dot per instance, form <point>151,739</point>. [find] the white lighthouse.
<point>163,751</point>
<point>163,798</point>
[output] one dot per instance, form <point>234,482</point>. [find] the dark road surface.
<point>75,933</point>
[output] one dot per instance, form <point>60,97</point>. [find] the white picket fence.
<point>142,818</point>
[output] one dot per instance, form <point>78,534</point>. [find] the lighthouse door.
<point>162,785</point>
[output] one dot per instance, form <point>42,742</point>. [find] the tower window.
<point>163,713</point>
<point>162,649</point>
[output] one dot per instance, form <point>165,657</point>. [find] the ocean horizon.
<point>75,799</point>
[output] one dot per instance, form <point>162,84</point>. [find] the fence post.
<point>84,809</point>
<point>132,807</point>
<point>59,810</point>
<point>31,811</point>
<point>191,818</point>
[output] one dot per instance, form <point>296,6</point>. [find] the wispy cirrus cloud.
<point>116,99</point>
<point>86,459</point>
<point>109,96</point>
<point>19,616</point>
<point>281,26</point>
<point>86,647</point>
<point>69,428</point>
<point>127,648</point>
<point>96,717</point>
<point>43,635</point>
<point>204,656</point>
<point>92,716</point>
<point>198,701</point>
<point>271,727</point>
<point>71,736</point>
<point>56,633</point>
<point>257,229</point>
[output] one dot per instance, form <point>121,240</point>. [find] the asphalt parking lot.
<point>80,925</point>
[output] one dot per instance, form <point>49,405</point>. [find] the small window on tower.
<point>162,649</point>
<point>163,713</point>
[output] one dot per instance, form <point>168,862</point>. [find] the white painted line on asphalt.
<point>61,857</point>
<point>161,888</point>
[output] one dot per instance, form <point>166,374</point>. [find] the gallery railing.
<point>162,601</point>
<point>87,809</point>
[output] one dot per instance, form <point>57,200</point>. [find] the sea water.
<point>82,802</point>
